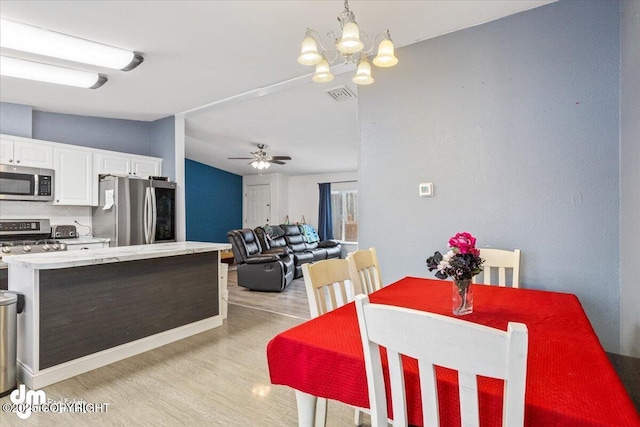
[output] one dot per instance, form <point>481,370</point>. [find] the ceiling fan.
<point>261,160</point>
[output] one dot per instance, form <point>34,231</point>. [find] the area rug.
<point>290,302</point>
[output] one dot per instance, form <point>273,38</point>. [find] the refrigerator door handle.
<point>127,208</point>
<point>147,201</point>
<point>154,214</point>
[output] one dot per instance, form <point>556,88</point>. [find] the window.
<point>344,211</point>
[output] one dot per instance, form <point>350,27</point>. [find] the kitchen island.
<point>86,309</point>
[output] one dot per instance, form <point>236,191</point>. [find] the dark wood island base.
<point>82,313</point>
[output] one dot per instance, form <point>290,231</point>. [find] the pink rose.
<point>465,243</point>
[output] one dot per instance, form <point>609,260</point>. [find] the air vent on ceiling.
<point>341,93</point>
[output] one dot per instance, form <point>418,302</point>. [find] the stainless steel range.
<point>27,236</point>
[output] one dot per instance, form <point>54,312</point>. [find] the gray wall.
<point>516,124</point>
<point>15,119</point>
<point>127,136</point>
<point>630,180</point>
<point>163,144</point>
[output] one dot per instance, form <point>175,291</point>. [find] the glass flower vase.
<point>462,297</point>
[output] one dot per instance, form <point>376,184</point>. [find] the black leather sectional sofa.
<point>269,258</point>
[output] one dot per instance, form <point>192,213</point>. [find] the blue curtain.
<point>325,225</point>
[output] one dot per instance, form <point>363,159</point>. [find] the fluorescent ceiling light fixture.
<point>27,38</point>
<point>19,68</point>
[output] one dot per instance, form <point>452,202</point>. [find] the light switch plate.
<point>426,189</point>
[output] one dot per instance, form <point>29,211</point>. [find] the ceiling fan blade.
<point>280,158</point>
<point>276,162</point>
<point>240,158</point>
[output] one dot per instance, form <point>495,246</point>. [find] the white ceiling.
<point>206,53</point>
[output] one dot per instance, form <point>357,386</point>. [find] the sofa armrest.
<point>328,244</point>
<point>261,259</point>
<point>282,250</point>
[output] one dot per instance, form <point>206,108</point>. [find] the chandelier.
<point>349,48</point>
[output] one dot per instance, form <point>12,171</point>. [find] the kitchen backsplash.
<point>58,215</point>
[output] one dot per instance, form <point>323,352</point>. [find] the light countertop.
<point>55,260</point>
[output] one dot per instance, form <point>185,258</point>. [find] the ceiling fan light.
<point>309,52</point>
<point>363,73</point>
<point>260,164</point>
<point>13,67</point>
<point>350,42</point>
<point>323,72</point>
<point>386,56</point>
<point>27,38</point>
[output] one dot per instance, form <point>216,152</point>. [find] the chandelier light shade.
<point>386,56</point>
<point>349,48</point>
<point>309,54</point>
<point>363,73</point>
<point>323,72</point>
<point>14,67</point>
<point>350,41</point>
<point>27,38</point>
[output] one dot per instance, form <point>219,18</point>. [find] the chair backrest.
<point>329,285</point>
<point>432,339</point>
<point>244,243</point>
<point>367,268</point>
<point>501,260</point>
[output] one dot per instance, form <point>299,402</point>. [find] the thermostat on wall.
<point>426,189</point>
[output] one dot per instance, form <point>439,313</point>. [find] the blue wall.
<point>213,201</point>
<point>515,122</point>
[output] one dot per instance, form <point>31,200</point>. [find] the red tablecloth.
<point>570,381</point>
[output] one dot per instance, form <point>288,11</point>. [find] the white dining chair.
<point>365,262</point>
<point>433,339</point>
<point>330,284</point>
<point>501,260</point>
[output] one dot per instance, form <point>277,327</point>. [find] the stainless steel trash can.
<point>8,332</point>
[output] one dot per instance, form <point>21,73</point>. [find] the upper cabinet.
<point>74,176</point>
<point>77,168</point>
<point>145,166</point>
<point>126,164</point>
<point>114,163</point>
<point>20,152</point>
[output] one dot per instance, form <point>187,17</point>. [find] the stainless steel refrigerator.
<point>134,211</point>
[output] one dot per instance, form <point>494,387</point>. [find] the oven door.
<point>22,183</point>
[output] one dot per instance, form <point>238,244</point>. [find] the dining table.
<point>570,380</point>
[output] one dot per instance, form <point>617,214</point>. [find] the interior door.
<point>257,205</point>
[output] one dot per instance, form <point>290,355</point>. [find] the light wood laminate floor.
<point>291,302</point>
<point>216,378</point>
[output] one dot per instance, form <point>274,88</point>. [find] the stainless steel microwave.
<point>23,183</point>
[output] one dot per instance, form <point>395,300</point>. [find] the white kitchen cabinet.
<point>113,163</point>
<point>74,177</point>
<point>126,164</point>
<point>24,152</point>
<point>145,166</point>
